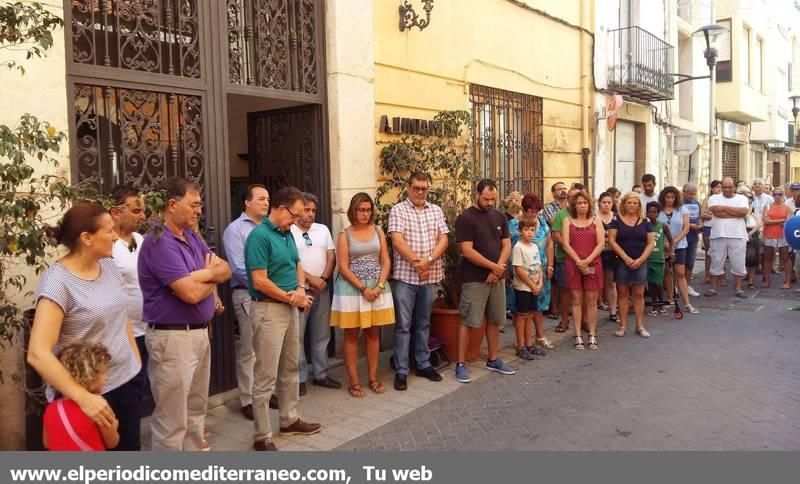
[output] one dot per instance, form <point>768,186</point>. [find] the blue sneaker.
<point>525,354</point>
<point>462,374</point>
<point>500,367</point>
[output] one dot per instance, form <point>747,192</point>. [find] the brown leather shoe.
<point>301,428</point>
<point>265,445</point>
<point>247,411</point>
<point>273,402</point>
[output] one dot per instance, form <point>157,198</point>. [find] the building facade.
<point>228,93</point>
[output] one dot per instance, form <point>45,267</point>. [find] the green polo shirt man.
<point>275,282</point>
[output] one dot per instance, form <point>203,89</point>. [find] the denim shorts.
<point>527,302</point>
<point>680,256</point>
<point>626,275</point>
<point>560,275</point>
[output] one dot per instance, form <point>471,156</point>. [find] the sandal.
<point>643,333</point>
<point>356,391</point>
<point>741,295</point>
<point>750,285</point>
<point>620,332</point>
<point>544,342</point>
<point>376,386</point>
<point>579,343</point>
<point>553,316</point>
<point>652,312</point>
<point>592,342</point>
<point>603,306</point>
<point>663,311</point>
<point>561,327</point>
<point>710,293</point>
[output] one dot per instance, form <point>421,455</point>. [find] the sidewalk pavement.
<point>343,417</point>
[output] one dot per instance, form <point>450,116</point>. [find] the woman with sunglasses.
<point>361,298</point>
<point>775,216</point>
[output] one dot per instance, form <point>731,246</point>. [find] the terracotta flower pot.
<point>444,325</point>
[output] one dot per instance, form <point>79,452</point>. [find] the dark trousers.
<point>126,402</point>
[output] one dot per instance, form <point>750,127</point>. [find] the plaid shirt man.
<point>420,229</point>
<point>550,210</point>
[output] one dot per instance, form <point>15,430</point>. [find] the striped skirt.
<point>351,310</point>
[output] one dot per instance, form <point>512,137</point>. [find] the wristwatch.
<point>382,285</point>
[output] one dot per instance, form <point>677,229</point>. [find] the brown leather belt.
<point>177,327</point>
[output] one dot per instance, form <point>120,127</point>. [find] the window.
<point>758,65</point>
<point>507,141</point>
<point>758,164</point>
<point>747,61</point>
<point>724,61</point>
<point>685,9</point>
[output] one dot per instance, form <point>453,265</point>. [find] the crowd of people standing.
<point>122,311</point>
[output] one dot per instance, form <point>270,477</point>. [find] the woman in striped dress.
<point>361,297</point>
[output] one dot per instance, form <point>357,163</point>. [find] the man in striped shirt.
<point>419,238</point>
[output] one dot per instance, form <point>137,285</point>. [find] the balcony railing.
<point>639,65</point>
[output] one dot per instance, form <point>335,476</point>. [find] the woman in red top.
<point>584,237</point>
<point>775,216</point>
<point>66,427</point>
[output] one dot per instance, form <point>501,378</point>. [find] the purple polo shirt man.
<point>178,274</point>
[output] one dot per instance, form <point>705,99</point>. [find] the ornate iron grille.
<point>730,160</point>
<point>274,44</point>
<point>157,36</point>
<point>507,138</point>
<point>136,137</point>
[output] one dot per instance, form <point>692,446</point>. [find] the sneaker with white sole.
<point>692,309</point>
<point>692,292</point>
<point>462,374</point>
<point>500,367</point>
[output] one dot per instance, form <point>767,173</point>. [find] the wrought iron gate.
<point>507,138</point>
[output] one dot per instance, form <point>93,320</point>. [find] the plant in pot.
<point>446,157</point>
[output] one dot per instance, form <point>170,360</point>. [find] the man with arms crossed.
<point>178,274</point>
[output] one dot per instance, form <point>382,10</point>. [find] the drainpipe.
<point>586,96</point>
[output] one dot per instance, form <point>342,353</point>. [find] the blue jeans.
<point>691,253</point>
<point>318,316</point>
<point>412,306</point>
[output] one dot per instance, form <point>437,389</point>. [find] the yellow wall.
<point>496,43</point>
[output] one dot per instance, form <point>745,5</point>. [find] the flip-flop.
<point>710,293</point>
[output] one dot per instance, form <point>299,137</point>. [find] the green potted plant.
<point>446,158</point>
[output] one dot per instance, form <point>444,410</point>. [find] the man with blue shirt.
<point>256,207</point>
<point>276,285</point>
<point>178,274</point>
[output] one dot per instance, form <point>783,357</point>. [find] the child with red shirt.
<point>66,427</point>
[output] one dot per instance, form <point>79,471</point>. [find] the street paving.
<point>725,379</point>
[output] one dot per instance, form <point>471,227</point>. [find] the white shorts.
<point>732,249</point>
<point>775,243</point>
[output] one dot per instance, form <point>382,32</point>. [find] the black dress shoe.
<point>303,390</point>
<point>265,445</point>
<point>400,382</point>
<point>273,402</point>
<point>247,411</point>
<point>327,382</point>
<point>429,373</point>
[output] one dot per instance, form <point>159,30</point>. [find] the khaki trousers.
<point>276,342</point>
<point>245,358</point>
<point>179,369</point>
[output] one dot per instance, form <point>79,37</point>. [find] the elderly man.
<point>419,238</point>
<point>256,207</point>
<point>276,284</point>
<point>693,207</point>
<point>728,235</point>
<point>318,255</point>
<point>761,200</point>
<point>178,275</point>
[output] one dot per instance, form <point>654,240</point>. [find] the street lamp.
<point>795,112</point>
<point>711,33</point>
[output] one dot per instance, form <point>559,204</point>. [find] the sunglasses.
<point>307,239</point>
<point>777,194</point>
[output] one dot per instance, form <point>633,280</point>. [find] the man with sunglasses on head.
<point>256,207</point>
<point>318,255</point>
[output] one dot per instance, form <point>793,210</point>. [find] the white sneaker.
<point>692,292</point>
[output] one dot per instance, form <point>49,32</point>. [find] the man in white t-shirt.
<point>728,235</point>
<point>128,215</point>
<point>649,193</point>
<point>318,257</point>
